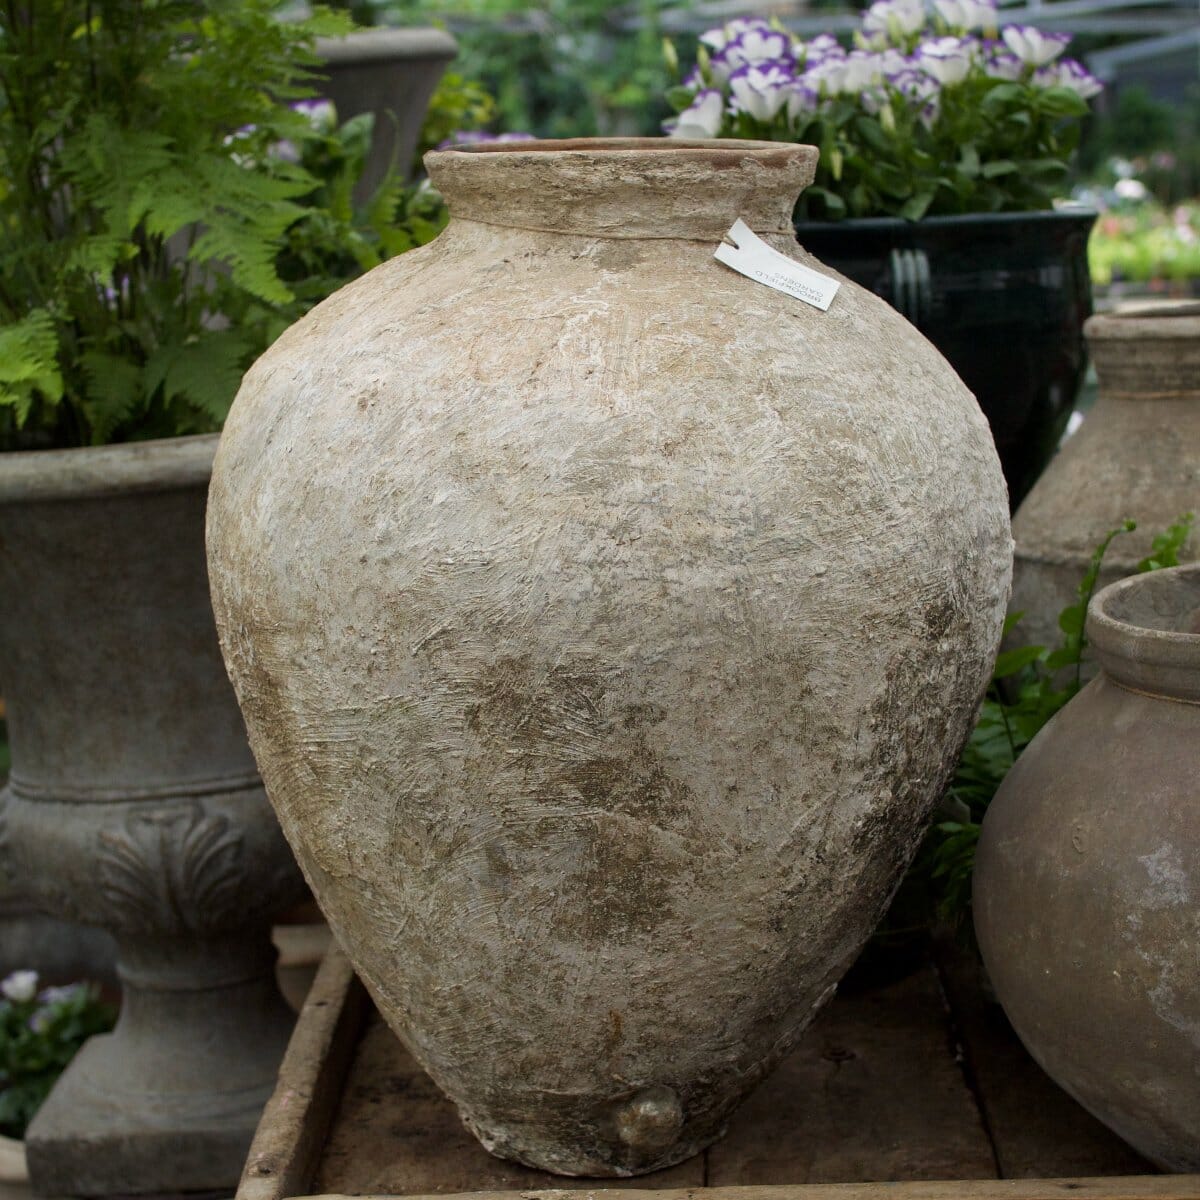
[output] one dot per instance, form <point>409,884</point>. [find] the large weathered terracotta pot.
<point>1088,875</point>
<point>134,805</point>
<point>606,624</point>
<point>1136,456</point>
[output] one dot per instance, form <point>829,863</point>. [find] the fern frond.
<point>29,364</point>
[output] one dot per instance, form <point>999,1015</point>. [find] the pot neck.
<point>1148,351</point>
<point>1145,632</point>
<point>625,188</point>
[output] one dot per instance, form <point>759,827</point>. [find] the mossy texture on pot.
<point>1088,870</point>
<point>606,624</point>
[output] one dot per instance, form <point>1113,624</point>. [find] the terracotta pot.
<point>1088,875</point>
<point>606,624</point>
<point>134,805</point>
<point>1135,456</point>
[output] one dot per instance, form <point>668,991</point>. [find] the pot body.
<point>606,624</point>
<point>1003,296</point>
<point>1134,457</point>
<point>1088,873</point>
<point>133,804</point>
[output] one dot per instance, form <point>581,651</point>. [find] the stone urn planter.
<point>606,624</point>
<point>391,73</point>
<point>1004,296</point>
<point>1088,875</point>
<point>1135,456</point>
<point>133,804</point>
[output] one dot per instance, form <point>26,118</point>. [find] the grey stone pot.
<point>1087,879</point>
<point>391,73</point>
<point>606,625</point>
<point>134,805</point>
<point>1137,455</point>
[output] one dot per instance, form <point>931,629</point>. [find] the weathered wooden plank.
<point>871,1093</point>
<point>395,1133</point>
<point>1144,1187</point>
<point>1037,1129</point>
<point>294,1123</point>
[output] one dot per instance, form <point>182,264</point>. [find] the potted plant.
<point>943,146</point>
<point>170,201</point>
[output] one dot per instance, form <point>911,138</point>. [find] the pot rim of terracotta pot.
<point>164,464</point>
<point>1145,631</point>
<point>626,188</point>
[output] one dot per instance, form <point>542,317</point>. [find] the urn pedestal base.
<point>155,1092</point>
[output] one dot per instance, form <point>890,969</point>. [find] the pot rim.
<point>1079,213</point>
<point>1131,628</point>
<point>1157,320</point>
<point>716,150</point>
<point>165,464</point>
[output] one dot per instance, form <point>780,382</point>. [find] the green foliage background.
<point>165,212</point>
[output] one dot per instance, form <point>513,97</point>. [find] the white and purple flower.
<point>946,59</point>
<point>760,91</point>
<point>20,987</point>
<point>719,38</point>
<point>965,16</point>
<point>1069,73</point>
<point>894,19</point>
<point>1033,47</point>
<point>703,118</point>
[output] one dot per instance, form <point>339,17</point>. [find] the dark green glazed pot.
<point>1003,296</point>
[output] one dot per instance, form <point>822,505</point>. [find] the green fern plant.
<point>167,208</point>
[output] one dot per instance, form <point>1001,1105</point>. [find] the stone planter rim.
<point>1132,625</point>
<point>1157,320</point>
<point>366,46</point>
<point>164,464</point>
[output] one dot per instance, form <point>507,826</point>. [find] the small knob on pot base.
<point>651,1119</point>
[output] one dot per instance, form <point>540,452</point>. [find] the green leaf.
<point>993,170</point>
<point>1009,662</point>
<point>917,206</point>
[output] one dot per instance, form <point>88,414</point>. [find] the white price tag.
<point>751,256</point>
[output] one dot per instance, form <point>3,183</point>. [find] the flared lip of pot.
<point>716,151</point>
<point>166,464</point>
<point>1139,629</point>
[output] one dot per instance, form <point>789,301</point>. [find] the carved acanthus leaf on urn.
<point>174,870</point>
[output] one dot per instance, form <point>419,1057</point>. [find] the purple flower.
<point>39,1022</point>
<point>701,119</point>
<point>1032,46</point>
<point>60,995</point>
<point>320,113</point>
<point>803,98</point>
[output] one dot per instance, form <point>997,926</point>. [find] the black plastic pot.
<point>1002,296</point>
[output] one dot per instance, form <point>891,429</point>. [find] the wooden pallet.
<point>919,1082</point>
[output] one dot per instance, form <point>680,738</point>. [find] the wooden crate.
<point>919,1082</point>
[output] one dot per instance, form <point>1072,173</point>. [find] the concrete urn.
<point>606,624</point>
<point>1088,875</point>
